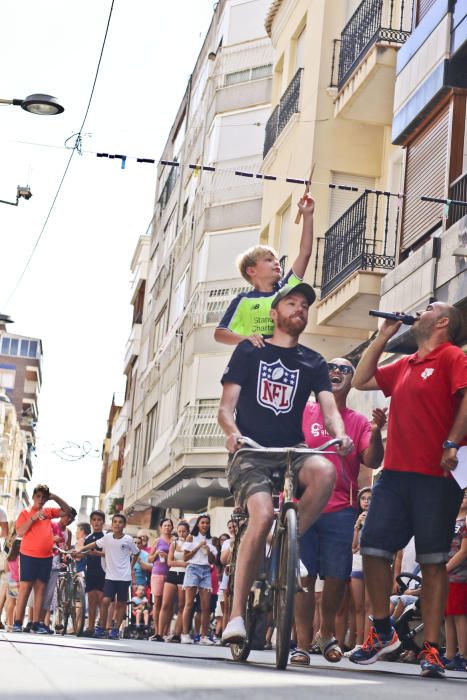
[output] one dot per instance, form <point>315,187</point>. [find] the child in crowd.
<point>12,579</point>
<point>120,556</point>
<point>247,316</point>
<point>94,575</point>
<point>140,607</point>
<point>456,608</point>
<point>83,530</point>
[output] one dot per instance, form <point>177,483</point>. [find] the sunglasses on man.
<point>344,369</point>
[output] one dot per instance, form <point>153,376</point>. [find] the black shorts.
<point>408,504</point>
<point>175,577</point>
<point>94,580</point>
<point>117,588</point>
<point>35,568</point>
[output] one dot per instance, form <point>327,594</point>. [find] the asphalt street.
<point>72,668</point>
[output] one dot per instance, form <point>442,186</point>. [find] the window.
<point>19,346</point>
<point>151,432</point>
<point>159,330</point>
<point>423,7</point>
<point>5,346</point>
<point>136,448</point>
<point>7,378</point>
<point>169,233</point>
<point>185,208</point>
<point>300,50</point>
<point>14,345</point>
<point>425,175</point>
<point>178,300</point>
<point>341,200</point>
<point>246,74</point>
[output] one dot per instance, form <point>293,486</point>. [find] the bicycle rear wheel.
<point>78,606</point>
<point>285,592</point>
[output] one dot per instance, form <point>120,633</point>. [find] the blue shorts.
<point>408,504</point>
<point>197,575</point>
<point>34,568</point>
<point>326,547</point>
<point>117,588</point>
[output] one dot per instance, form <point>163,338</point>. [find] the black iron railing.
<point>288,105</point>
<point>363,238</point>
<point>458,191</point>
<point>169,185</point>
<point>372,21</point>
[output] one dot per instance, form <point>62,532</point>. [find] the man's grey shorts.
<point>252,473</point>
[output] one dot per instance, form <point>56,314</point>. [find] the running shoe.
<point>235,632</point>
<point>206,642</point>
<point>17,627</point>
<point>458,663</point>
<point>186,639</point>
<point>28,627</point>
<point>349,653</point>
<point>430,663</point>
<point>196,638</point>
<point>113,634</point>
<point>375,646</point>
<point>99,633</point>
<point>40,628</point>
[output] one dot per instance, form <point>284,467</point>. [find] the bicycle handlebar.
<point>253,445</point>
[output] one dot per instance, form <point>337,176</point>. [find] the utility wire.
<point>62,180</point>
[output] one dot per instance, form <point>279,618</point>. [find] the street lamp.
<point>21,192</point>
<point>37,103</point>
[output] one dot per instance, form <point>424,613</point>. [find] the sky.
<point>76,291</point>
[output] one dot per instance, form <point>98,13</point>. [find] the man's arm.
<point>456,434</point>
<point>64,507</point>
<point>4,529</point>
<point>306,206</point>
<point>333,421</point>
<point>364,377</point>
<point>373,455</point>
<point>25,525</point>
<point>226,415</point>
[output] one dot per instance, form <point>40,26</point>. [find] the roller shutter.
<point>425,175</point>
<point>423,7</point>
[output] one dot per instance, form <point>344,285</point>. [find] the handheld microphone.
<point>405,318</point>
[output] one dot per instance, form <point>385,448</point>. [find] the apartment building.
<point>372,95</point>
<point>185,272</point>
<point>20,384</point>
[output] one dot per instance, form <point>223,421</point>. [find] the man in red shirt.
<point>416,494</point>
<point>34,527</point>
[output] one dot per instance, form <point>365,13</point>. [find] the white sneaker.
<point>186,639</point>
<point>205,641</point>
<point>349,653</point>
<point>235,632</point>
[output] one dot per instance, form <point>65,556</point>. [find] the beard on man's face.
<point>292,325</point>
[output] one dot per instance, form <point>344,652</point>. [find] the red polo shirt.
<point>424,404</point>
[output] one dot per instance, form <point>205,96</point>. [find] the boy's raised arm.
<point>306,206</point>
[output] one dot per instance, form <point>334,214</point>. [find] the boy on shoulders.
<point>247,316</point>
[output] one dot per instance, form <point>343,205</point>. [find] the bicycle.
<point>275,587</point>
<point>71,598</point>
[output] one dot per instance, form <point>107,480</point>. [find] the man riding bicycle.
<point>265,391</point>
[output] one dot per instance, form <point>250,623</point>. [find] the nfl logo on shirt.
<point>276,386</point>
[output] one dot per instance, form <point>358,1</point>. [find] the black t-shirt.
<point>93,564</point>
<point>276,384</point>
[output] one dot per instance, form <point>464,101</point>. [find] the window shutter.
<point>423,7</point>
<point>341,200</point>
<point>425,175</point>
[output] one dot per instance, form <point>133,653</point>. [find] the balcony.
<point>209,303</point>
<point>367,60</point>
<point>199,429</point>
<point>458,192</point>
<point>352,257</point>
<point>132,347</point>
<point>287,107</point>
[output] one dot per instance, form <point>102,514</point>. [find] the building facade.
<point>20,384</point>
<point>185,273</point>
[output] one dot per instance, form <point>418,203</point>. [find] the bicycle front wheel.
<point>78,606</point>
<point>285,591</point>
<point>61,612</point>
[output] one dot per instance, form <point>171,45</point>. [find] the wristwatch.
<point>450,444</point>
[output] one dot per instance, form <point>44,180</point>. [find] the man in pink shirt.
<point>326,548</point>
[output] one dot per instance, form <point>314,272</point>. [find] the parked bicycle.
<point>71,599</point>
<point>279,578</point>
